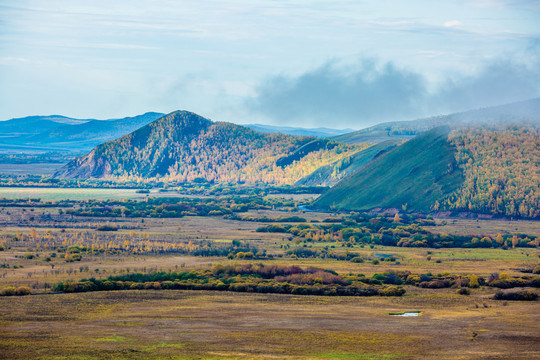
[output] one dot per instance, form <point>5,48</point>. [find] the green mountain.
<point>414,175</point>
<point>523,111</point>
<point>483,169</point>
<point>330,175</point>
<point>183,146</point>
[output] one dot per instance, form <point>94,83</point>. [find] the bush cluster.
<point>523,295</point>
<point>13,291</point>
<point>240,278</point>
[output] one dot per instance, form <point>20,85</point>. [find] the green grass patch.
<point>113,338</point>
<point>349,356</point>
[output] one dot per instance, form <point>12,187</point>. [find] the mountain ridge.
<point>527,110</point>
<point>184,146</point>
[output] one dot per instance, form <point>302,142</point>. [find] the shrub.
<point>73,257</point>
<point>412,279</point>
<point>473,281</point>
<point>464,291</point>
<point>520,295</point>
<point>9,291</point>
<point>392,291</point>
<point>12,291</point>
<point>22,291</point>
<point>436,284</point>
<point>107,227</point>
<point>357,259</point>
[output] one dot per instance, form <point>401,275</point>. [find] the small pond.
<point>384,256</point>
<point>406,313</point>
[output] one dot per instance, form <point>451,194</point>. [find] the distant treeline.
<point>292,279</point>
<point>397,230</point>
<point>179,207</point>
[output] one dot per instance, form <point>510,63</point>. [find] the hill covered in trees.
<point>502,171</point>
<point>183,146</point>
<point>493,170</point>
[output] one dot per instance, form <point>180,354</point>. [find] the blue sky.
<point>310,63</point>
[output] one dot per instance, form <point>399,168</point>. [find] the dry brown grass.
<point>201,324</point>
<point>204,324</point>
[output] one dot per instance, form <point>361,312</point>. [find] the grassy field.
<point>45,169</point>
<point>487,227</point>
<point>55,194</point>
<point>174,324</point>
<point>209,325</point>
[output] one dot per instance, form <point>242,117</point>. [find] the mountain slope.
<point>183,146</point>
<point>414,175</point>
<point>330,175</point>
<point>484,169</point>
<point>528,111</point>
<point>502,171</point>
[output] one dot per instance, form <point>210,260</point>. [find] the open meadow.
<point>45,244</point>
<point>225,325</point>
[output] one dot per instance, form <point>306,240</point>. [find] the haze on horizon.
<point>342,64</point>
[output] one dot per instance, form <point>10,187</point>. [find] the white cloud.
<point>452,23</point>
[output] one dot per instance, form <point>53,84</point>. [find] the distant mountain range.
<point>320,132</point>
<point>485,160</point>
<point>184,146</point>
<point>57,132</point>
<point>528,111</point>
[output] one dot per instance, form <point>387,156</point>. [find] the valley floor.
<point>224,325</point>
<point>194,324</point>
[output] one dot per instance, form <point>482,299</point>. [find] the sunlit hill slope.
<point>183,146</point>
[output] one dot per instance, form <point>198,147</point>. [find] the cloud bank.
<point>370,92</point>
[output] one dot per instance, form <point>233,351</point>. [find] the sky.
<point>335,63</point>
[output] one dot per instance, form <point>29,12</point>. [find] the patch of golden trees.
<point>502,171</point>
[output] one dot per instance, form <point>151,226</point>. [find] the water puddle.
<point>407,313</point>
<point>384,256</point>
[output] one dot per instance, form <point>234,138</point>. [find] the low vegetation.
<point>397,230</point>
<point>242,278</point>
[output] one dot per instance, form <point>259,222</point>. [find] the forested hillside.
<point>492,170</point>
<point>183,146</point>
<point>502,171</point>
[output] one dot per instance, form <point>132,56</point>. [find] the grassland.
<point>55,194</point>
<point>46,169</point>
<point>200,325</point>
<point>178,324</point>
